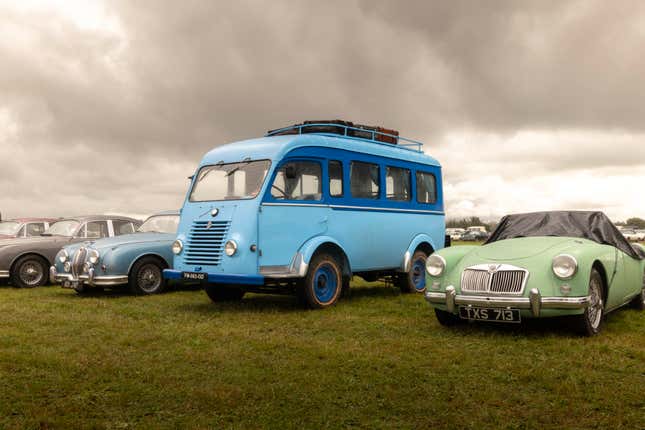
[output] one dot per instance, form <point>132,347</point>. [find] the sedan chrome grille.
<point>78,260</point>
<point>205,243</point>
<point>494,278</point>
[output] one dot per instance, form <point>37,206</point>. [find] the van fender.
<point>418,240</point>
<point>303,256</point>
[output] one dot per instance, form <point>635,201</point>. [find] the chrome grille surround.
<point>205,243</point>
<point>501,279</point>
<point>78,260</point>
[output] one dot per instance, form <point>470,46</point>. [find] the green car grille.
<point>499,279</point>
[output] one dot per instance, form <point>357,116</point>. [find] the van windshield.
<point>232,181</point>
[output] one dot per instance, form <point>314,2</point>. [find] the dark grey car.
<point>26,262</point>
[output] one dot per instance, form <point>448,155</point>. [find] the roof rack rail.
<point>348,130</point>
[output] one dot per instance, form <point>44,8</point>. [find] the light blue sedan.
<point>135,260</point>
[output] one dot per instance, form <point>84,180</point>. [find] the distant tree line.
<point>634,222</point>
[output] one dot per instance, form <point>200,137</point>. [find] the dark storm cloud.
<point>122,105</point>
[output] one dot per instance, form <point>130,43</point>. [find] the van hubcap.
<point>325,283</point>
<point>418,275</point>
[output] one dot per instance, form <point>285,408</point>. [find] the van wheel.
<point>323,283</point>
<point>224,292</point>
<point>29,271</point>
<point>639,300</point>
<point>415,280</point>
<point>146,277</point>
<point>589,322</point>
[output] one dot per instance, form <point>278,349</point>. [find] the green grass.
<point>378,359</point>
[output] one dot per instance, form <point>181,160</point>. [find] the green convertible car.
<point>545,264</point>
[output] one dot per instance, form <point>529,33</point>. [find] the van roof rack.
<point>349,130</point>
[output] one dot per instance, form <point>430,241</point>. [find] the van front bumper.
<point>217,278</point>
<point>535,302</point>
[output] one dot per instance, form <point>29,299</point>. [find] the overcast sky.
<point>108,106</point>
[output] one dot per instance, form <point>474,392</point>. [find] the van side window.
<point>298,180</point>
<point>397,184</point>
<point>364,180</point>
<point>426,188</point>
<point>335,179</point>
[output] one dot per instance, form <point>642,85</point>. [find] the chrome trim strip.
<point>4,273</point>
<point>101,281</point>
<point>367,208</point>
<point>535,302</point>
<point>407,261</point>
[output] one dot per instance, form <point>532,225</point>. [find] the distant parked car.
<point>24,227</point>
<point>474,236</point>
<point>136,260</point>
<point>455,233</point>
<point>479,228</point>
<point>633,235</point>
<point>26,261</point>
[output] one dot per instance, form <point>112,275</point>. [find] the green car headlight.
<point>565,266</point>
<point>435,265</point>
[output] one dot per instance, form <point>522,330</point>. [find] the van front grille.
<point>504,279</point>
<point>205,243</point>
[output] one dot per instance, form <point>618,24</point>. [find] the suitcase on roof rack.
<point>327,126</point>
<point>394,139</point>
<point>365,132</point>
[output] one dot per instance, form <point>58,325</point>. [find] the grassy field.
<point>378,359</point>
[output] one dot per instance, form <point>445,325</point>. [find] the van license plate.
<point>490,314</point>
<point>192,276</point>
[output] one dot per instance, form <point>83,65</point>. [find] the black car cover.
<point>594,226</point>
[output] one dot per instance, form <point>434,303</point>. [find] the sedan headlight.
<point>94,256</point>
<point>63,256</point>
<point>435,265</point>
<point>565,266</point>
<point>230,248</point>
<point>177,247</point>
<point>67,266</point>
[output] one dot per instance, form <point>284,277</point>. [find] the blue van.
<point>304,208</point>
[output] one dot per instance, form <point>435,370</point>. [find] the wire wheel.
<point>31,273</point>
<point>149,278</point>
<point>595,310</point>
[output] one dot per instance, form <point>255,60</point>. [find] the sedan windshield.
<point>160,224</point>
<point>62,228</point>
<point>233,181</point>
<point>9,227</point>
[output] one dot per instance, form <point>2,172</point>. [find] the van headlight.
<point>230,248</point>
<point>94,256</point>
<point>177,247</point>
<point>564,266</point>
<point>63,256</point>
<point>435,265</point>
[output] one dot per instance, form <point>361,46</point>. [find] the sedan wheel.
<point>146,276</point>
<point>29,272</point>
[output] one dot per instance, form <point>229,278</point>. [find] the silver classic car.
<point>26,262</point>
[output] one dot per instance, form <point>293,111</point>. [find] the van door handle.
<point>323,220</point>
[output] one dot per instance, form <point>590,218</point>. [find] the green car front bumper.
<point>534,302</point>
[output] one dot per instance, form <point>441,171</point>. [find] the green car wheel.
<point>590,322</point>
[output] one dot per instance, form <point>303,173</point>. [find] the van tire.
<point>324,282</point>
<point>414,281</point>
<point>224,292</point>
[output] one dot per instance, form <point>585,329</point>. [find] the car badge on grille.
<point>209,225</point>
<point>492,268</point>
<point>214,212</point>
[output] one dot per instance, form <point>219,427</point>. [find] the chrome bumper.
<point>4,273</point>
<point>535,302</point>
<point>67,280</point>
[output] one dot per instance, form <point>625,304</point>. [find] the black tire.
<point>589,323</point>
<point>224,292</point>
<point>323,284</point>
<point>30,271</point>
<point>639,301</point>
<point>447,319</point>
<point>414,280</point>
<point>146,276</point>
